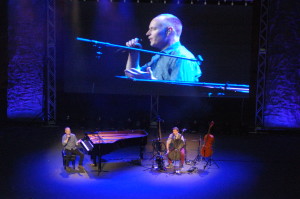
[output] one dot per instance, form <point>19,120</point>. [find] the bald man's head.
<point>68,130</point>
<point>172,21</point>
<point>164,30</point>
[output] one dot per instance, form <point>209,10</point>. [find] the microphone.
<point>138,40</point>
<point>123,50</point>
<point>68,136</point>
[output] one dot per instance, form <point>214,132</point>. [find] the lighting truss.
<point>203,2</point>
<point>261,65</point>
<point>50,113</point>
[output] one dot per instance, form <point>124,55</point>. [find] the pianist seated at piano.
<point>164,34</point>
<point>70,143</point>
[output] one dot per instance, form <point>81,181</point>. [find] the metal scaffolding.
<point>154,108</point>
<point>262,65</point>
<point>50,114</point>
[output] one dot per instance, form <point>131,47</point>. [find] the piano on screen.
<point>103,142</point>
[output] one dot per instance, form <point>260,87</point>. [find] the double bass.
<point>208,140</point>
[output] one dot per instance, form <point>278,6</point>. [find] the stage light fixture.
<point>205,3</point>
<point>192,2</point>
<point>232,3</point>
<point>219,3</point>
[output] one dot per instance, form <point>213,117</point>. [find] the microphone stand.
<point>199,57</point>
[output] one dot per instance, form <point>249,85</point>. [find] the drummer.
<point>175,135</point>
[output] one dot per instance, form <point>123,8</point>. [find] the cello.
<point>175,146</point>
<point>206,149</point>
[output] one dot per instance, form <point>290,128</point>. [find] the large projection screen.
<point>222,35</point>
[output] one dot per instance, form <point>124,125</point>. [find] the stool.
<point>72,159</point>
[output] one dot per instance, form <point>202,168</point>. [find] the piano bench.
<point>72,159</point>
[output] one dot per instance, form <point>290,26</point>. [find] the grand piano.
<point>103,142</point>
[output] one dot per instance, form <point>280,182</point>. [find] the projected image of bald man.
<point>164,34</point>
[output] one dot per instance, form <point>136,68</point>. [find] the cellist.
<point>175,142</point>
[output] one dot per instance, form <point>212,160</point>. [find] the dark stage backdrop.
<point>221,34</point>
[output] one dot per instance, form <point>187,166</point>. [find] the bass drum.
<point>158,146</point>
<point>174,149</point>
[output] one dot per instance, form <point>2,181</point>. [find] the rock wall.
<point>282,91</point>
<point>27,47</point>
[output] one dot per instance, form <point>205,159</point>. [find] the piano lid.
<point>108,137</point>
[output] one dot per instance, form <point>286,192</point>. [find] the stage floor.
<point>250,166</point>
